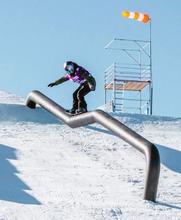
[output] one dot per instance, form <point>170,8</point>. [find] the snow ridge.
<point>52,172</point>
<point>10,98</point>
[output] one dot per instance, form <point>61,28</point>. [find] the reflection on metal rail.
<point>128,135</point>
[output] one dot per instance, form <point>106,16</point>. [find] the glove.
<point>51,84</point>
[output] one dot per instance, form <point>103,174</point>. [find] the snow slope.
<point>52,172</point>
<point>7,97</point>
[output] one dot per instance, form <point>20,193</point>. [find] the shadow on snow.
<point>171,158</point>
<point>12,188</point>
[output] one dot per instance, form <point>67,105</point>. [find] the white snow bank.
<point>10,98</point>
<point>49,171</point>
<point>12,109</point>
<point>17,112</point>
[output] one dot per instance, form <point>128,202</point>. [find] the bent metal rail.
<point>98,116</point>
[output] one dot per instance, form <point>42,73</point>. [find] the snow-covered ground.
<point>49,171</point>
<point>7,97</point>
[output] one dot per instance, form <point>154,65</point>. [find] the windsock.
<point>136,15</point>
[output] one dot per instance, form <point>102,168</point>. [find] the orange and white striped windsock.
<point>136,15</point>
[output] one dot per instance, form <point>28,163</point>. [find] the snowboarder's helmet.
<point>69,67</point>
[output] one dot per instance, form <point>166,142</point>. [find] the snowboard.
<point>73,114</point>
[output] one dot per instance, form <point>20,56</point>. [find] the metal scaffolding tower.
<point>128,84</point>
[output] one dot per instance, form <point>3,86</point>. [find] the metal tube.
<point>140,143</point>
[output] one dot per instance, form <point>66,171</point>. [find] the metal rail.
<point>144,146</point>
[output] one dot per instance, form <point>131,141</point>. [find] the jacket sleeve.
<point>61,80</point>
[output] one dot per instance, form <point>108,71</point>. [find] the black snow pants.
<point>78,96</point>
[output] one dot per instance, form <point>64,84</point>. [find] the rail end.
<point>31,104</point>
<point>153,172</point>
<point>30,101</point>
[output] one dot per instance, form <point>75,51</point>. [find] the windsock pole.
<point>144,18</point>
<point>151,86</point>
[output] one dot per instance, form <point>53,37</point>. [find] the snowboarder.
<point>81,76</point>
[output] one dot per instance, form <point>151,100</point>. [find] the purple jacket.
<point>78,78</point>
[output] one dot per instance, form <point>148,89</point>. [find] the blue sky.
<point>38,36</point>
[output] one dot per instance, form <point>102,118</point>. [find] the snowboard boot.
<point>71,111</point>
<point>81,110</point>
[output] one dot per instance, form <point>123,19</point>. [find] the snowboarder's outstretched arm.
<point>59,81</point>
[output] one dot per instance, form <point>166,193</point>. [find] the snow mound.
<point>21,113</point>
<point>10,98</point>
<point>13,109</point>
<point>50,171</point>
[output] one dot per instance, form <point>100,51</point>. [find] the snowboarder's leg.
<point>83,91</point>
<point>75,100</point>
